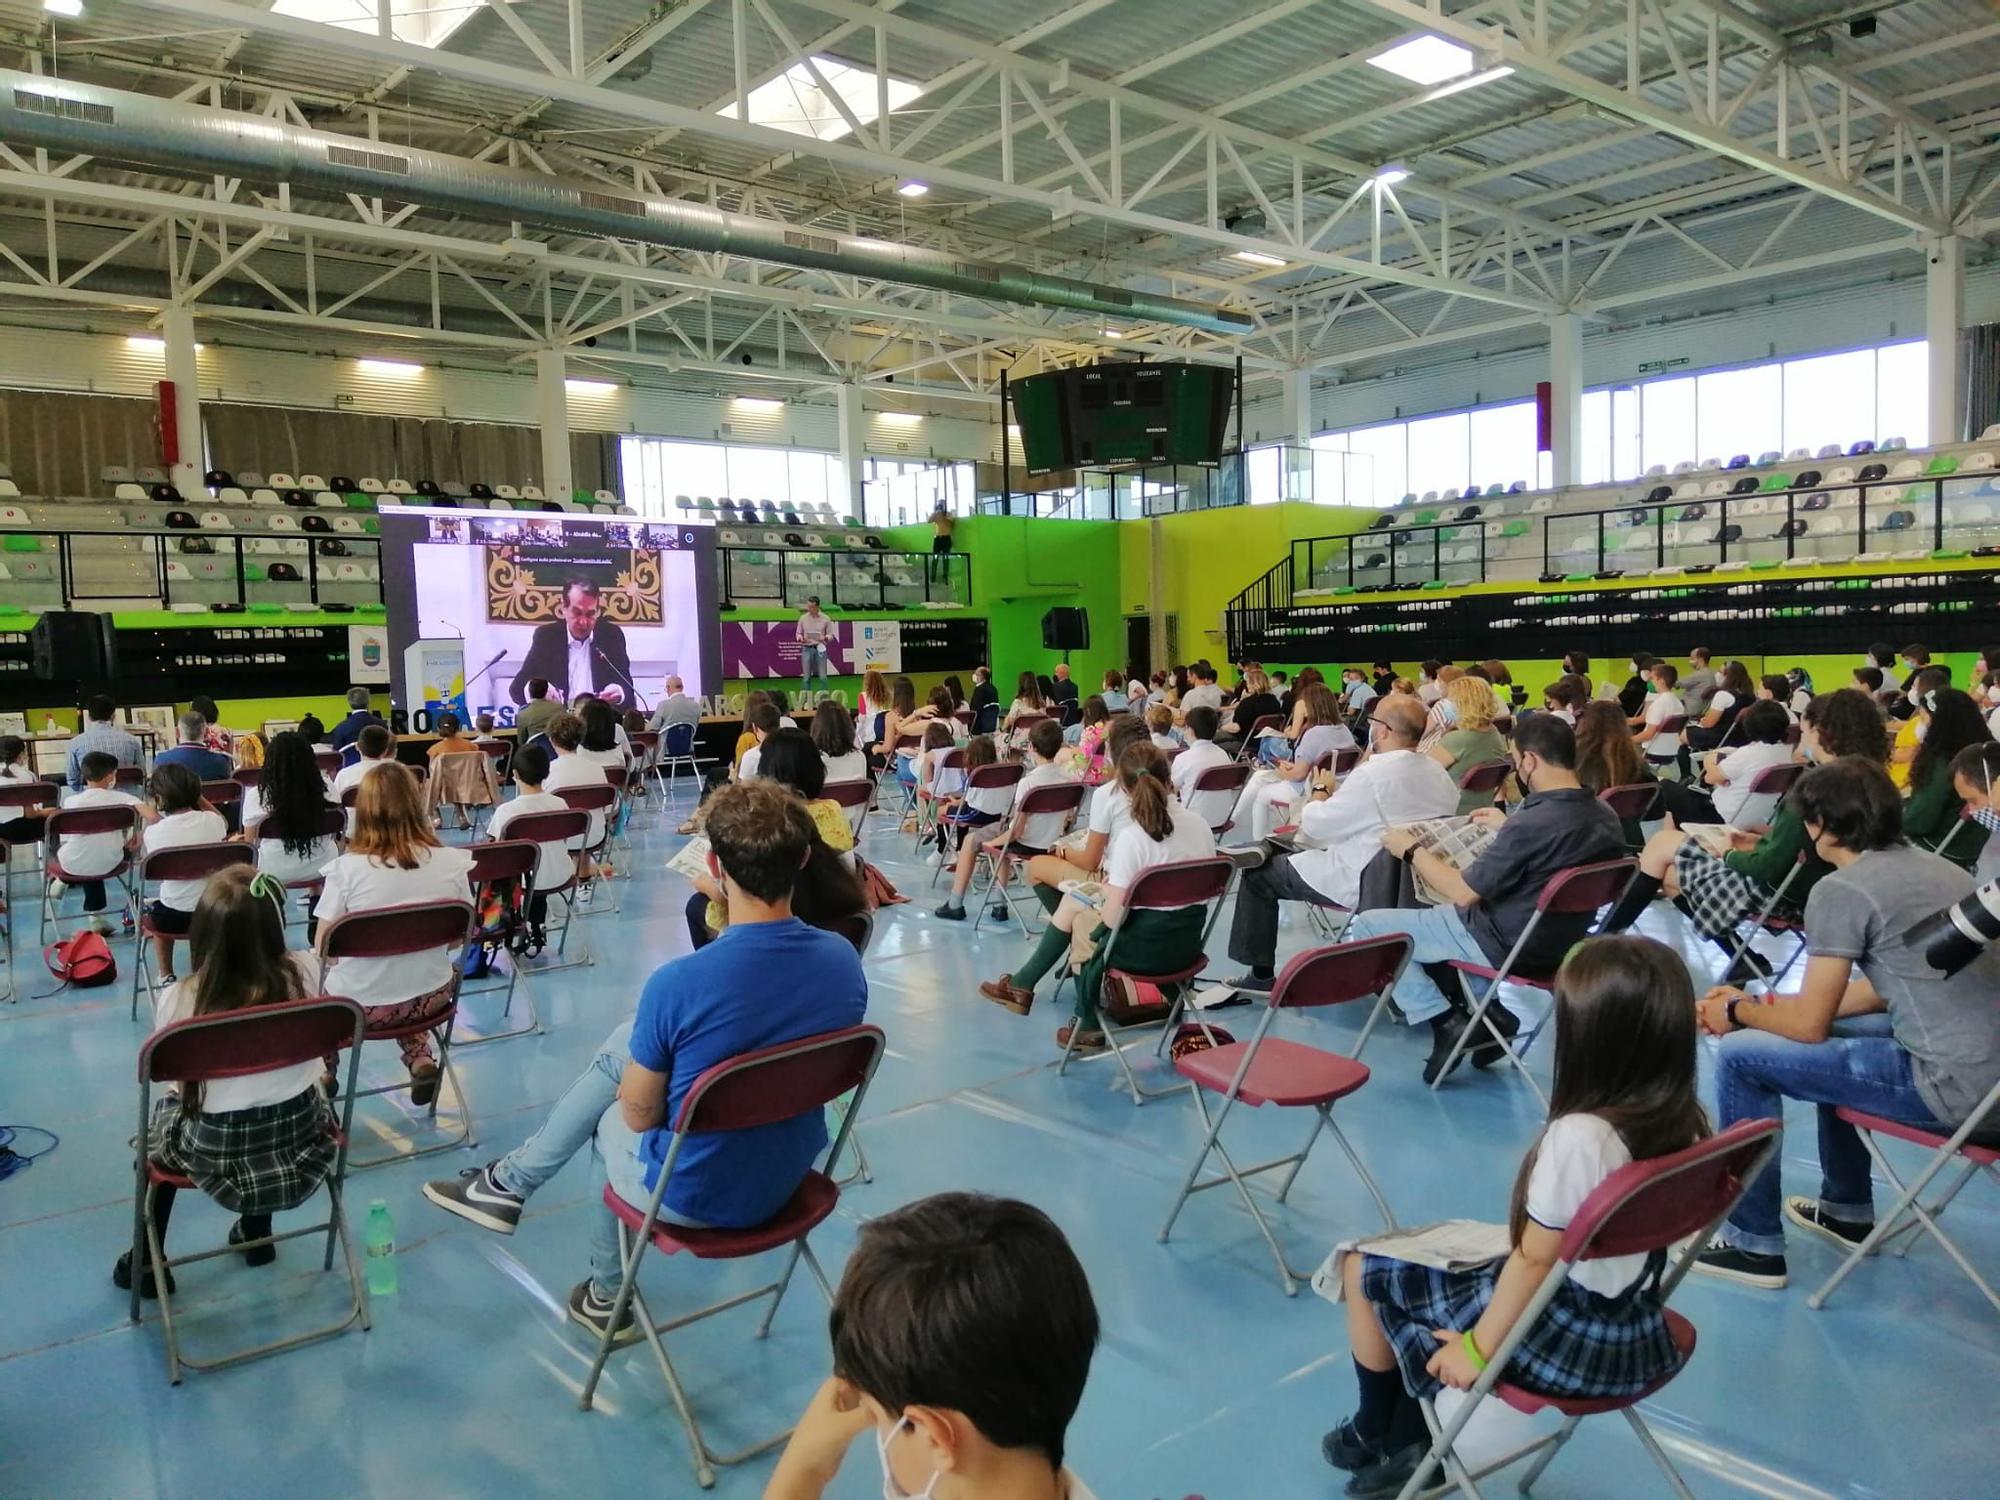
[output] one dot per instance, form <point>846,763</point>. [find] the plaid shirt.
<point>106,737</point>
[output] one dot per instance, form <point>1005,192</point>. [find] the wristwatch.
<point>1729,1011</point>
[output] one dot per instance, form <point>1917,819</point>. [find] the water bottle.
<point>380,1240</point>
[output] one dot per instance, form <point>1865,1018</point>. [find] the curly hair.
<point>1848,723</point>
<point>293,792</point>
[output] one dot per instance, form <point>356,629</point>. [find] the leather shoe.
<point>1444,1036</point>
<point>1003,991</point>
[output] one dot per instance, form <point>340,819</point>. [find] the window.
<point>1736,411</point>
<point>1903,394</point>
<point>1625,430</point>
<point>1266,475</point>
<point>1830,399</point>
<point>658,472</point>
<point>794,101</point>
<point>1387,451</point>
<point>1439,452</point>
<point>1594,442</point>
<point>1503,443</point>
<point>1667,428</point>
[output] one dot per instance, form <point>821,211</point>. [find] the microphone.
<point>487,668</point>
<point>598,652</point>
<point>454,629</point>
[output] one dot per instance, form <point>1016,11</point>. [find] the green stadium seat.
<point>1775,482</point>
<point>1514,529</point>
<point>1437,583</point>
<point>1425,517</point>
<point>370,525</point>
<point>358,501</point>
<point>253,572</point>
<point>1944,463</point>
<point>266,608</point>
<point>22,543</point>
<point>1949,554</point>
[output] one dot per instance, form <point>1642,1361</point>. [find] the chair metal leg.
<point>1442,1452</point>
<point>784,1282</point>
<point>1287,1277</point>
<point>1548,1454</point>
<point>534,1026</point>
<point>1658,1454</point>
<point>448,1074</point>
<point>1908,1204</point>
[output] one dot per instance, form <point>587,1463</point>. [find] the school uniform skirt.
<point>1717,896</point>
<point>1584,1343</point>
<point>251,1161</point>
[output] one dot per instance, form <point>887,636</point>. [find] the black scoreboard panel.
<point>232,661</point>
<point>957,644</point>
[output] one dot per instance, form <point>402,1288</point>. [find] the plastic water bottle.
<point>380,1240</point>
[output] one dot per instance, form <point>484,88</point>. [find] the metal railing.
<point>847,579</point>
<point>57,568</point>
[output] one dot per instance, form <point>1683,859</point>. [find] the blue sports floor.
<point>1209,1382</point>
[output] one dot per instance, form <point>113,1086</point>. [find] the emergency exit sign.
<point>1654,366</point>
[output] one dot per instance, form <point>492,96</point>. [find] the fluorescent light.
<point>1425,59</point>
<point>393,369</point>
<point>1109,333</point>
<point>1470,81</point>
<point>139,343</point>
<point>914,189</point>
<point>589,387</point>
<point>1392,174</point>
<point>757,403</point>
<point>795,102</point>
<point>900,418</point>
<point>1257,258</point>
<point>63,7</point>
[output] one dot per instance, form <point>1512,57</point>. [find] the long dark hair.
<point>293,792</point>
<point>956,689</point>
<point>789,756</point>
<point>1605,754</point>
<point>1028,690</point>
<point>1625,1052</point>
<point>600,726</point>
<point>1148,783</point>
<point>1955,722</point>
<point>832,729</point>
<point>1735,678</point>
<point>903,696</point>
<point>237,942</point>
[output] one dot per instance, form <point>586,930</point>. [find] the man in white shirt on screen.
<point>581,652</point>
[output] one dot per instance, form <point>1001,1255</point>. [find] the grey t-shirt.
<point>1949,1026</point>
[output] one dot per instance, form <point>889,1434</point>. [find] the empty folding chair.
<point>1290,1075</point>
<point>677,753</point>
<point>759,1088</point>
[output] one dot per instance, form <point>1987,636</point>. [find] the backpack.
<point>82,959</point>
<point>502,923</point>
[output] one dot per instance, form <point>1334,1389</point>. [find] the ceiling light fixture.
<point>1109,333</point>
<point>757,403</point>
<point>1425,59</point>
<point>914,189</point>
<point>589,387</point>
<point>393,369</point>
<point>901,418</point>
<point>140,343</point>
<point>1391,174</point>
<point>1258,258</point>
<point>1470,81</point>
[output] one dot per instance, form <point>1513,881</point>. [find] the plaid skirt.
<point>1584,1343</point>
<point>1717,897</point>
<point>251,1161</point>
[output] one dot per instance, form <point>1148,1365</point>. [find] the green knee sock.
<point>1048,952</point>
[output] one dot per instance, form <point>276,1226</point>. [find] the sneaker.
<point>423,1083</point>
<point>121,1277</point>
<point>1385,1477</point>
<point>1253,984</point>
<point>1487,1052</point>
<point>1805,1212</point>
<point>594,1312</point>
<point>1443,1039</point>
<point>56,889</point>
<point>951,911</point>
<point>998,912</point>
<point>474,1194</point>
<point>1726,1263</point>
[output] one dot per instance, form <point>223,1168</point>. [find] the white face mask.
<point>891,1490</point>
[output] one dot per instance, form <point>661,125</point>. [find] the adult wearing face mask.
<point>1699,683</point>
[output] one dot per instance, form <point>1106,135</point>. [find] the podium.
<point>434,678</point>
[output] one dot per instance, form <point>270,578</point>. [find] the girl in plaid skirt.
<point>1624,1091</point>
<point>262,1143</point>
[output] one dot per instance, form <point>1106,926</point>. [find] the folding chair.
<point>1247,751</point>
<point>1630,803</point>
<point>498,865</point>
<point>1291,1075</point>
<point>1773,918</point>
<point>982,778</point>
<point>230,1045</point>
<point>226,797</point>
<point>859,929</point>
<point>1487,776</point>
<point>328,762</point>
<point>1187,882</point>
<point>1774,782</point>
<point>1575,892</point>
<point>677,751</point>
<point>1060,797</point>
<point>568,828</point>
<point>332,825</point>
<point>922,799</point>
<point>25,799</point>
<point>72,823</point>
<point>398,932</point>
<point>1340,762</point>
<point>187,862</point>
<point>758,1088</point>
<point>602,801</point>
<point>852,797</point>
<point>247,776</point>
<point>1641,1208</point>
<point>1966,831</point>
<point>1908,1213</point>
<point>1672,726</point>
<point>1231,779</point>
<point>903,741</point>
<point>645,758</point>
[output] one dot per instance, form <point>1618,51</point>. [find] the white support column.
<point>552,410</point>
<point>852,421</point>
<point>1944,318</point>
<point>1566,397</point>
<point>1298,413</point>
<point>177,325</point>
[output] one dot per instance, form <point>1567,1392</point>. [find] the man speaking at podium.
<point>580,653</point>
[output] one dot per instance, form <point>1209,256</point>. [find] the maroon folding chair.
<point>859,929</point>
<point>570,829</point>
<point>328,762</point>
<point>1183,883</point>
<point>1247,751</point>
<point>1059,797</point>
<point>188,862</point>
<point>1642,1208</point>
<point>128,777</point>
<point>759,1088</point>
<point>920,797</point>
<point>24,799</point>
<point>504,867</point>
<point>1773,782</point>
<point>1486,778</point>
<point>1583,890</point>
<point>398,932</point>
<point>247,776</point>
<point>332,825</point>
<point>1631,803</point>
<point>983,778</point>
<point>1672,726</point>
<point>1024,722</point>
<point>1291,1075</point>
<point>1344,761</point>
<point>232,1044</point>
<point>1775,918</point>
<point>852,798</point>
<point>601,802</point>
<point>1217,779</point>
<point>75,822</point>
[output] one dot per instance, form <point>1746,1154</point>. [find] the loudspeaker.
<point>69,645</point>
<point>1066,628</point>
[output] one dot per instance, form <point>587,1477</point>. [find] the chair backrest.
<point>781,1082</point>
<point>332,823</point>
<point>247,776</point>
<point>1023,722</point>
<point>1672,725</point>
<point>1262,723</point>
<point>392,931</point>
<point>1345,761</point>
<point>1341,972</point>
<point>506,859</point>
<point>591,798</point>
<point>1652,1205</point>
<point>256,1039</point>
<point>193,861</point>
<point>1486,776</point>
<point>857,927</point>
<point>1586,887</point>
<point>1227,778</point>
<point>328,762</point>
<point>1777,780</point>
<point>81,820</point>
<point>549,827</point>
<point>1632,801</point>
<point>678,741</point>
<point>1062,796</point>
<point>1184,882</point>
<point>130,776</point>
<point>851,793</point>
<point>220,793</point>
<point>1001,773</point>
<point>27,794</point>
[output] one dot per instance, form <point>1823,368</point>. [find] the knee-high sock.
<point>1048,953</point>
<point>1632,905</point>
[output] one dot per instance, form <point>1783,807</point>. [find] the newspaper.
<point>1457,840</point>
<point>1448,1245</point>
<point>1714,837</point>
<point>692,861</point>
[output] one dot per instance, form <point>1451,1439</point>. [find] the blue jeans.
<point>812,666</point>
<point>1437,935</point>
<point>1860,1066</point>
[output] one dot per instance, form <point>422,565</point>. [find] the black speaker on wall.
<point>68,644</point>
<point>1066,628</point>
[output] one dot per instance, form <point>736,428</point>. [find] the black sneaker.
<point>1443,1038</point>
<point>1348,1450</point>
<point>951,911</point>
<point>257,1255</point>
<point>998,912</point>
<point>1805,1212</point>
<point>1726,1263</point>
<point>591,1311</point>
<point>1385,1477</point>
<point>476,1196</point>
<point>121,1277</point>
<point>1749,965</point>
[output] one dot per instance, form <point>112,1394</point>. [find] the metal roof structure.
<point>1599,157</point>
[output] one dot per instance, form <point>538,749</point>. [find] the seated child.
<point>962,1336</point>
<point>177,817</point>
<point>86,854</point>
<point>556,863</point>
<point>927,774</point>
<point>15,771</point>
<point>972,807</point>
<point>262,1143</point>
<point>1025,836</point>
<point>1160,725</point>
<point>1624,1091</point>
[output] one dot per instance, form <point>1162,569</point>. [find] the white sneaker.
<point>56,889</point>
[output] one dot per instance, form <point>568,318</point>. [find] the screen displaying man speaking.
<point>583,652</point>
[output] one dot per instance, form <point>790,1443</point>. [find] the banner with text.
<point>770,648</point>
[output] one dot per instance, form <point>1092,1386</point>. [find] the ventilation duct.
<point>198,142</point>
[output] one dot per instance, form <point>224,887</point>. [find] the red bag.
<point>82,959</point>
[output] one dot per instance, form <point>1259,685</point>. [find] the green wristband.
<point>1472,1352</point>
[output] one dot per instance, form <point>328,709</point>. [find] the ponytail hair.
<point>1143,773</point>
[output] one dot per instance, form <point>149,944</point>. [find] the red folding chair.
<point>922,799</point>
<point>1644,1207</point>
<point>602,803</point>
<point>75,822</point>
<point>1583,890</point>
<point>759,1088</point>
<point>1183,883</point>
<point>852,798</point>
<point>570,829</point>
<point>1343,761</point>
<point>1672,726</point>
<point>328,762</point>
<point>188,862</point>
<point>128,777</point>
<point>1771,783</point>
<point>1217,779</point>
<point>398,932</point>
<point>503,867</point>
<point>1631,803</point>
<point>232,1044</point>
<point>1247,751</point>
<point>1975,1146</point>
<point>1291,1075</point>
<point>1059,797</point>
<point>859,929</point>
<point>988,779</point>
<point>247,776</point>
<point>226,797</point>
<point>1486,777</point>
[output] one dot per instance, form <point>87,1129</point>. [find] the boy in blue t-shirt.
<point>768,978</point>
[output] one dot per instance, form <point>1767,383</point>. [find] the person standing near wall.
<point>941,524</point>
<point>814,631</point>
